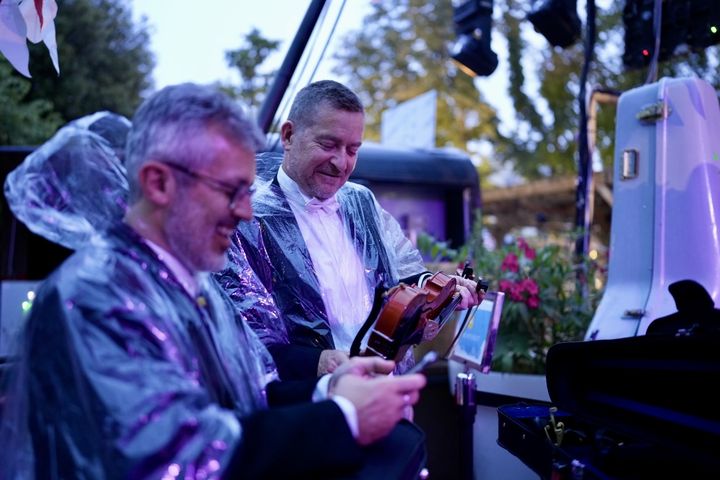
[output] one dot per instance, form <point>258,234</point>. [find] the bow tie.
<point>328,206</point>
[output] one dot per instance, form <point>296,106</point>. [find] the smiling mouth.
<point>225,230</point>
<point>331,175</point>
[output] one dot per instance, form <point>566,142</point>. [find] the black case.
<point>631,408</point>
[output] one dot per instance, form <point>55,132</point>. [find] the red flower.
<point>530,286</point>
<point>527,251</point>
<point>510,263</point>
<point>516,292</point>
<point>533,302</point>
<point>505,285</point>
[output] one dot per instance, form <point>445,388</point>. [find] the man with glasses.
<point>136,363</point>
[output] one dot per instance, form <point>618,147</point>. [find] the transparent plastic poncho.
<point>119,372</point>
<point>385,253</point>
<point>73,186</point>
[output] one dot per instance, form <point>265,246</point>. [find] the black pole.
<point>465,398</point>
<point>284,75</point>
<point>582,216</point>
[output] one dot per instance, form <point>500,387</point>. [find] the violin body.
<point>405,313</point>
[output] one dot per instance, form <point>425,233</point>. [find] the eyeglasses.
<point>234,193</point>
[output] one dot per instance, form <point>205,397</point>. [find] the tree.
<point>401,51</point>
<point>247,59</point>
<point>105,63</point>
<point>548,116</point>
<point>23,122</point>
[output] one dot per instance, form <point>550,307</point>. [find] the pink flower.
<point>516,292</point>
<point>505,285</point>
<point>533,302</point>
<point>530,286</point>
<point>510,263</point>
<point>527,251</point>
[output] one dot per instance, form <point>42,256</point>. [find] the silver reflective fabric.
<point>119,372</point>
<point>122,374</point>
<point>74,186</point>
<point>386,254</point>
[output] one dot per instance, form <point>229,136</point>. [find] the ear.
<point>286,132</point>
<point>157,183</point>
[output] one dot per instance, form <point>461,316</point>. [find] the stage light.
<point>557,21</point>
<point>686,25</point>
<point>472,51</point>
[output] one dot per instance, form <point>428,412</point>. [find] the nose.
<point>341,160</point>
<point>242,209</point>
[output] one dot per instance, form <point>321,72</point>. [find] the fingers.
<point>370,365</point>
<point>365,367</point>
<point>380,401</point>
<point>330,360</point>
<point>408,383</point>
<point>380,365</point>
<point>468,298</point>
<point>468,291</point>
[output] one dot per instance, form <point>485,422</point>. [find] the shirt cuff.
<point>350,413</point>
<point>321,388</point>
<point>424,278</point>
<point>348,409</point>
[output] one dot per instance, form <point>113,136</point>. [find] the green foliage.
<point>547,299</point>
<point>402,48</point>
<point>548,119</point>
<point>247,59</point>
<point>438,251</point>
<point>105,64</point>
<point>400,52</point>
<point>23,122</point>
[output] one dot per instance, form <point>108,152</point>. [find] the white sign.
<point>411,123</point>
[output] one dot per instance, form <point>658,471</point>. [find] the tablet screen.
<point>475,341</point>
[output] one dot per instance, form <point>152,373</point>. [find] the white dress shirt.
<point>339,269</point>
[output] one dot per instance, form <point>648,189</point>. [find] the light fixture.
<point>471,51</point>
<point>557,21</point>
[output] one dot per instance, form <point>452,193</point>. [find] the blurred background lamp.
<point>557,21</point>
<point>471,51</point>
<point>473,56</point>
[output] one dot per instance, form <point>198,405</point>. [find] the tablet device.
<point>475,339</point>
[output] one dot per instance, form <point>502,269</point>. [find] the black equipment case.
<point>633,408</point>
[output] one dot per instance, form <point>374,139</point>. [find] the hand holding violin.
<point>469,291</point>
<point>330,360</point>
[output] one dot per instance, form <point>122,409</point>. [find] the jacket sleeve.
<point>305,441</point>
<point>245,280</point>
<point>295,361</point>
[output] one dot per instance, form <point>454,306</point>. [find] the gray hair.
<point>165,125</point>
<point>323,92</point>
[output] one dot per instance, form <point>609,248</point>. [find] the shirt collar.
<point>189,281</point>
<point>294,195</point>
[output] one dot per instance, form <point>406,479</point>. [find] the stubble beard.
<point>190,247</point>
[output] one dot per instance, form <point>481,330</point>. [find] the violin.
<point>407,310</point>
<point>404,312</point>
